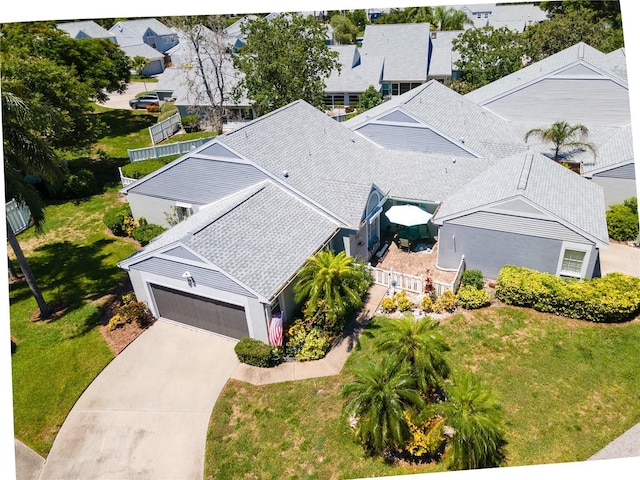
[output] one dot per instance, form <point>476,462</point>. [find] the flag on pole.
<point>275,330</point>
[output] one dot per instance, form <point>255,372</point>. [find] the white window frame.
<point>578,247</point>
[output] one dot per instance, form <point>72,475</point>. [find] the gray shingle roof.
<point>405,48</point>
<point>90,28</point>
<point>580,52</point>
<point>357,72</point>
<point>576,201</point>
<point>142,50</point>
<point>443,56</point>
<point>141,26</point>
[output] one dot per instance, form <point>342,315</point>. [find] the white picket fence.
<point>413,283</point>
<point>18,215</point>
<point>164,129</point>
<point>157,151</point>
<point>126,181</point>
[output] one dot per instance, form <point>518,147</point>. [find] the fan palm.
<point>420,344</point>
<point>377,399</point>
<point>475,416</point>
<point>447,18</point>
<point>326,280</point>
<point>562,135</point>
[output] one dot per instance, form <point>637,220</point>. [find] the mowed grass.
<point>567,388</point>
<point>74,262</point>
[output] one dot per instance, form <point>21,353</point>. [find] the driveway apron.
<point>146,415</point>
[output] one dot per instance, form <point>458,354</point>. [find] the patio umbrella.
<point>408,215</point>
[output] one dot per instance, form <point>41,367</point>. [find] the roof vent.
<point>285,174</point>
<point>461,139</point>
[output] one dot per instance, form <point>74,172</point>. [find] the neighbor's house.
<point>155,59</point>
<point>257,203</point>
<point>579,85</point>
<point>515,17</point>
<point>147,31</point>
<point>86,29</point>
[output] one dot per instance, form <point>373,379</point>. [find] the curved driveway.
<point>146,415</point>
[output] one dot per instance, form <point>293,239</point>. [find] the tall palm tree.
<point>448,18</point>
<point>326,279</point>
<point>475,417</point>
<point>26,152</point>
<point>420,344</point>
<point>562,135</point>
<point>377,399</point>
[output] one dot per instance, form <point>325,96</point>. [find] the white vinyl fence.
<point>164,129</point>
<point>157,151</point>
<point>18,216</point>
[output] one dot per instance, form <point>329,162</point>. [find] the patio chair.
<point>404,243</point>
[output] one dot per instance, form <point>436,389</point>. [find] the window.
<point>573,260</point>
<point>354,99</point>
<point>394,89</point>
<point>486,15</point>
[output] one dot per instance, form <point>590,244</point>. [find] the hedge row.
<point>610,299</point>
<point>257,353</point>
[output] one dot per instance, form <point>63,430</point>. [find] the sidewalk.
<point>330,365</point>
<point>626,445</point>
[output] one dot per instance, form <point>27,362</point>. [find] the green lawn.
<point>567,388</point>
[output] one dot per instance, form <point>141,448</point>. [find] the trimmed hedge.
<point>147,232</point>
<point>115,219</point>
<point>610,299</point>
<point>469,297</point>
<point>140,169</point>
<point>472,278</point>
<point>255,352</point>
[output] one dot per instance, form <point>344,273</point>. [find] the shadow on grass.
<point>123,122</point>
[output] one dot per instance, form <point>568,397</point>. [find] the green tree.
<point>376,401</point>
<point>604,9</point>
<point>622,220</point>
<point>419,344</point>
<point>329,282</point>
<point>447,18</point>
<point>369,99</point>
<point>562,135</point>
<point>406,15</point>
<point>26,152</point>
<point>564,30</point>
<point>139,63</point>
<point>358,18</point>
<point>487,54</point>
<point>344,31</point>
<point>475,417</point>
<point>284,59</point>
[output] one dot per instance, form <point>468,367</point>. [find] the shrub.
<point>79,185</point>
<point>612,298</point>
<point>115,218</point>
<point>147,232</point>
<point>153,108</point>
<point>135,311</point>
<point>140,169</point>
<point>190,123</point>
<point>426,438</point>
<point>426,304</point>
<point>469,297</point>
<point>472,278</point>
<point>255,352</point>
<point>622,220</point>
<point>115,322</point>
<point>388,305</point>
<point>316,345</point>
<point>446,303</point>
<point>403,302</point>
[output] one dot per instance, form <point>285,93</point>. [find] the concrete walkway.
<point>146,415</point>
<point>121,100</point>
<point>28,463</point>
<point>626,445</point>
<point>330,365</point>
<point>620,258</point>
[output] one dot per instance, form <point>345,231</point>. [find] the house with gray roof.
<point>149,31</point>
<point>516,17</point>
<point>86,29</point>
<point>155,59</point>
<point>578,85</point>
<point>256,203</point>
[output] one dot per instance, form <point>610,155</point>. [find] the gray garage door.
<point>212,315</point>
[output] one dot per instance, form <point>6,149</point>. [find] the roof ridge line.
<point>526,170</point>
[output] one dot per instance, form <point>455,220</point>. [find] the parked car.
<point>144,101</point>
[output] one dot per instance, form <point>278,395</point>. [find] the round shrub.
<point>77,185</point>
<point>403,302</point>
<point>115,322</point>
<point>622,221</point>
<point>140,169</point>
<point>472,278</point>
<point>115,219</point>
<point>190,123</point>
<point>388,305</point>
<point>255,352</point>
<point>135,311</point>
<point>316,345</point>
<point>147,232</point>
<point>469,297</point>
<point>426,304</point>
<point>446,303</point>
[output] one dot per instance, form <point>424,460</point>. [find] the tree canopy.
<point>284,59</point>
<point>344,31</point>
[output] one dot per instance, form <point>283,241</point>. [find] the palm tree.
<point>326,281</point>
<point>473,414</point>
<point>562,135</point>
<point>26,152</point>
<point>377,400</point>
<point>139,63</point>
<point>420,344</point>
<point>447,18</point>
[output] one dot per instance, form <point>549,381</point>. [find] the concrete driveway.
<point>146,415</point>
<point>620,258</point>
<point>121,100</point>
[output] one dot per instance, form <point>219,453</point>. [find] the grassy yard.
<point>567,388</point>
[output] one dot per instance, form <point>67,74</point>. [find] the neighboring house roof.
<point>405,48</point>
<point>580,53</point>
<point>86,29</point>
<point>443,57</point>
<point>261,238</point>
<point>543,183</point>
<point>456,125</point>
<point>515,17</point>
<point>142,50</point>
<point>356,72</point>
<point>615,152</point>
<point>140,27</point>
<point>617,62</point>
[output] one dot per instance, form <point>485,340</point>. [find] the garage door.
<point>212,315</point>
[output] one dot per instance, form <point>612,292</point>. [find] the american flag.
<point>275,330</point>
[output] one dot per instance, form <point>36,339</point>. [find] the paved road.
<point>146,415</point>
<point>121,100</point>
